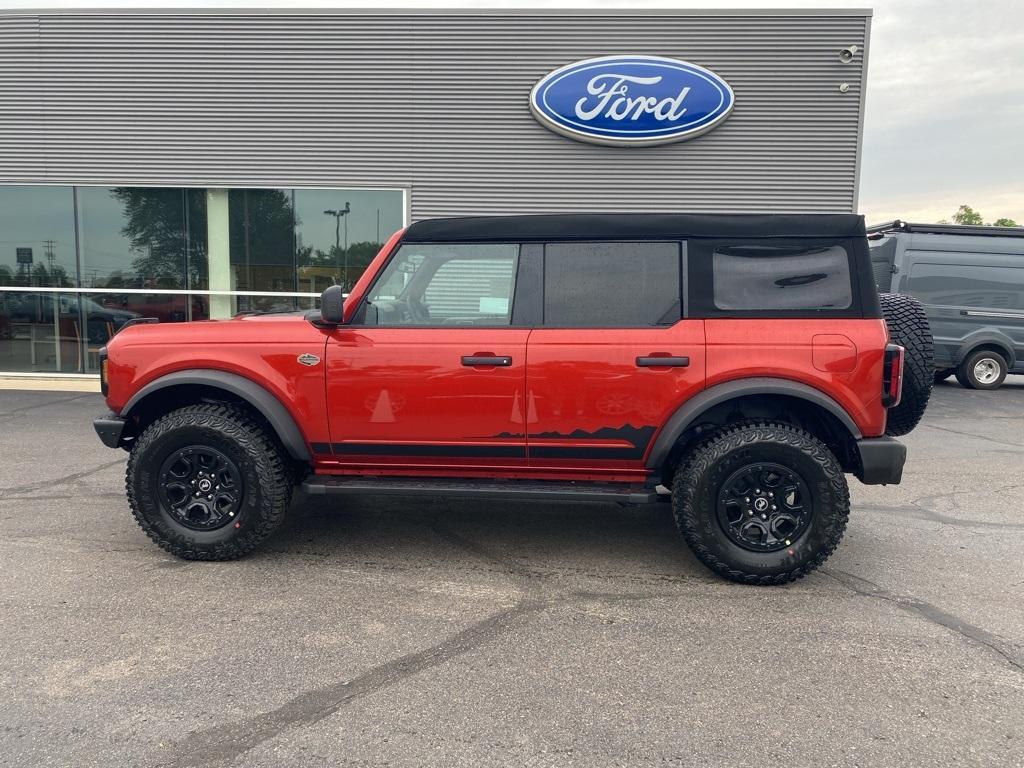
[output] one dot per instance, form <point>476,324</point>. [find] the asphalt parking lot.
<point>401,633</point>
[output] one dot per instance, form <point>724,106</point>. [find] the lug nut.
<point>764,517</point>
<point>746,499</point>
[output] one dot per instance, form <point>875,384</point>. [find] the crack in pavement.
<point>5,493</point>
<point>930,613</point>
<point>16,411</point>
<point>923,513</point>
<point>971,434</point>
<point>222,744</point>
<point>62,497</point>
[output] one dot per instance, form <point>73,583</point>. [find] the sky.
<point>944,118</point>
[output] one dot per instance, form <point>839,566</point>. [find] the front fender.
<point>264,402</point>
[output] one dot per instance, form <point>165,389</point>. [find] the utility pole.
<point>49,255</point>
<point>338,215</point>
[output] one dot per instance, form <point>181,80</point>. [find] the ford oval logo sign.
<point>631,100</point>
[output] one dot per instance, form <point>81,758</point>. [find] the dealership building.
<point>191,164</point>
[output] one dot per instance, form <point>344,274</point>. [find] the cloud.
<point>945,110</point>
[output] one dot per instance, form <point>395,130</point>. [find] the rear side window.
<point>772,278</point>
<point>611,284</point>
<point>967,285</point>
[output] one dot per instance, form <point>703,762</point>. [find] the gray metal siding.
<point>437,102</point>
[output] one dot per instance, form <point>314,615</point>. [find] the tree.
<point>155,225</point>
<point>1004,222</point>
<point>967,215</point>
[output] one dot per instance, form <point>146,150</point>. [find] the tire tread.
<point>700,460</point>
<point>908,326</point>
<point>237,424</point>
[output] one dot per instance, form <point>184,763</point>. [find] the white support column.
<point>218,252</point>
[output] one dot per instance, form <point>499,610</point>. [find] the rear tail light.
<point>892,375</point>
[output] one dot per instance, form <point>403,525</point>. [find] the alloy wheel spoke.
<point>764,506</point>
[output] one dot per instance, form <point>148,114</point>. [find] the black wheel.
<point>908,327</point>
<point>207,482</point>
<point>983,369</point>
<point>941,374</point>
<point>761,503</point>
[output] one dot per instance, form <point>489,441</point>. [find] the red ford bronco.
<point>743,362</point>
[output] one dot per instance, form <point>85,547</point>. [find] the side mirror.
<point>332,306</point>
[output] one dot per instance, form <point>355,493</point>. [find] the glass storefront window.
<point>262,243</point>
<point>339,231</point>
<point>137,252</point>
<point>40,332</point>
<point>37,237</point>
<point>141,238</point>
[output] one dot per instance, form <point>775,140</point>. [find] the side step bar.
<point>533,490</point>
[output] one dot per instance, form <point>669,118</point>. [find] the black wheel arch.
<point>198,385</point>
<point>990,342</point>
<point>757,398</point>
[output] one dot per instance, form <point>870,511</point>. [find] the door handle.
<point>668,361</point>
<point>486,360</point>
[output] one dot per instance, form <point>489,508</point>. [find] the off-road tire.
<point>942,374</point>
<point>705,468</point>
<point>967,378</point>
<point>908,327</point>
<point>266,479</point>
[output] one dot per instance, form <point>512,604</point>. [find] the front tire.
<point>761,503</point>
<point>207,482</point>
<point>983,369</point>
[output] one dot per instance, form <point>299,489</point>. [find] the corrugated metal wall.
<point>437,102</point>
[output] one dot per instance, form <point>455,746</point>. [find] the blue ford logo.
<point>631,100</point>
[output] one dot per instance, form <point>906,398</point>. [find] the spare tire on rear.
<point>908,327</point>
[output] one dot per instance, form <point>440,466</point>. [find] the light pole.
<point>338,216</point>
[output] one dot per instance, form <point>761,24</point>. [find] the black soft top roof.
<point>633,226</point>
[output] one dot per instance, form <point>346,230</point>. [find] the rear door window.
<point>611,284</point>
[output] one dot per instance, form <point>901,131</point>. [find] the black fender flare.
<point>695,407</point>
<point>268,405</point>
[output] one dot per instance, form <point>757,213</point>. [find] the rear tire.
<point>207,482</point>
<point>908,327</point>
<point>983,369</point>
<point>720,517</point>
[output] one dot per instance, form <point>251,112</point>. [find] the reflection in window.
<point>339,231</point>
<point>456,285</point>
<point>968,285</point>
<point>137,243</point>
<point>142,238</point>
<point>37,236</point>
<point>262,244</point>
<point>778,277</point>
